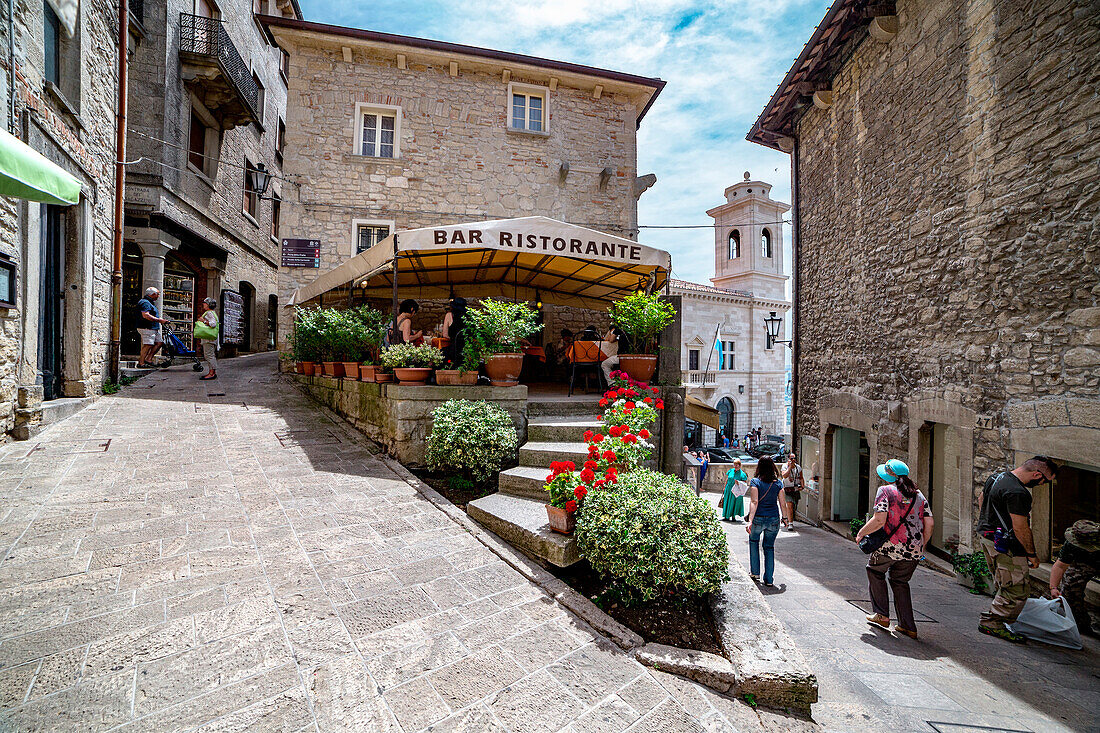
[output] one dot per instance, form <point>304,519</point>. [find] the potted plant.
<point>641,318</point>
<point>411,364</point>
<point>305,341</point>
<point>462,374</point>
<point>566,492</point>
<point>494,329</point>
<point>329,338</point>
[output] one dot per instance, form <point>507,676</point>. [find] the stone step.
<point>525,481</point>
<point>135,372</point>
<point>578,406</point>
<point>539,454</point>
<point>560,429</point>
<point>522,523</point>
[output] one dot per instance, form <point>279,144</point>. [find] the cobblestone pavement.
<point>952,680</point>
<point>232,559</point>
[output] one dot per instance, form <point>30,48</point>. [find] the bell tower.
<point>748,240</point>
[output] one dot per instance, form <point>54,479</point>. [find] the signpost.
<point>301,253</point>
<point>232,323</point>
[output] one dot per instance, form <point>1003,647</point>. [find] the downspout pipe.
<point>13,127</point>
<point>120,186</point>
<point>795,309</point>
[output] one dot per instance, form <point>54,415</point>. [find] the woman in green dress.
<point>733,506</point>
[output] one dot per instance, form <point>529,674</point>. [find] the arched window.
<point>726,414</point>
<point>768,401</point>
<point>766,243</point>
<point>734,245</point>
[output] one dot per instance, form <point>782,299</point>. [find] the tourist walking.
<point>733,497</point>
<point>1078,562</point>
<point>766,502</point>
<point>208,337</point>
<point>903,511</point>
<point>1004,526</point>
<point>704,458</point>
<point>149,330</point>
<point>793,484</point>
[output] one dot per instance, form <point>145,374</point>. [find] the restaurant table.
<point>535,351</point>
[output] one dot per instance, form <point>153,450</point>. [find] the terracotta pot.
<point>504,369</point>
<point>640,367</point>
<point>382,377</point>
<point>309,368</point>
<point>351,369</point>
<point>561,521</point>
<point>299,367</point>
<point>455,377</point>
<point>328,368</point>
<point>366,373</point>
<point>412,375</point>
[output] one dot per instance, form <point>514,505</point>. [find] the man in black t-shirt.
<point>1004,527</point>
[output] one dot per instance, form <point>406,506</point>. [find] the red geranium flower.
<point>593,451</point>
<point>603,403</point>
<point>590,465</point>
<point>654,390</point>
<point>570,506</point>
<point>644,433</point>
<point>621,391</point>
<point>569,466</point>
<point>609,455</point>
<point>587,475</point>
<point>597,437</point>
<point>648,400</point>
<point>629,405</point>
<point>660,404</point>
<point>631,439</point>
<point>549,478</point>
<point>580,492</point>
<point>588,436</point>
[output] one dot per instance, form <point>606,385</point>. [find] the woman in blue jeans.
<point>766,502</point>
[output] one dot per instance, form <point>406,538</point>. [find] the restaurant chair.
<point>586,358</point>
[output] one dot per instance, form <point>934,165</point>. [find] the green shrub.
<point>641,318</point>
<point>407,356</point>
<point>472,437</point>
<point>655,535</point>
<point>855,524</point>
<point>973,565</point>
<point>496,326</point>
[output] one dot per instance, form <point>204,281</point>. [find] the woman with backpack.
<point>766,502</point>
<point>903,514</point>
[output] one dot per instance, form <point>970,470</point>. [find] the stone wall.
<point>948,204</point>
<point>458,161</point>
<point>73,126</point>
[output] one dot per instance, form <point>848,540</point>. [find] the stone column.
<point>154,245</point>
<point>215,268</point>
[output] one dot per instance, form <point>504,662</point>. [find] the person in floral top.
<point>901,508</point>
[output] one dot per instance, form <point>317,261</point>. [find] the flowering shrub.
<point>565,487</point>
<point>406,356</point>
<point>652,533</point>
<point>474,437</point>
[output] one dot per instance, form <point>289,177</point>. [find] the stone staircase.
<point>517,512</point>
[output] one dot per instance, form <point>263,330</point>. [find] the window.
<point>768,401</point>
<point>693,360</point>
<point>734,245</point>
<point>284,64</point>
<point>276,212</point>
<point>260,98</point>
<point>766,243</point>
<point>258,7</point>
<point>280,140</point>
<point>369,234</point>
<point>251,197</point>
<point>53,44</point>
<point>527,110</point>
<point>729,353</point>
<point>378,131</point>
<point>206,9</point>
<point>196,143</point>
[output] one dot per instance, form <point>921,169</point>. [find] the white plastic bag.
<point>1048,621</point>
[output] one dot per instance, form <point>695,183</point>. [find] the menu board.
<point>232,319</point>
<point>301,252</point>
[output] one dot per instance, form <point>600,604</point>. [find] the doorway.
<point>945,485</point>
<point>272,320</point>
<point>851,474</point>
<point>51,304</point>
<point>248,295</point>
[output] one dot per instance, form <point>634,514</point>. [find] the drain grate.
<point>865,606</point>
<point>289,438</point>
<point>968,728</point>
<point>71,447</point>
<point>215,394</point>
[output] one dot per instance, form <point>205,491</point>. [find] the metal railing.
<point>202,36</point>
<point>700,378</point>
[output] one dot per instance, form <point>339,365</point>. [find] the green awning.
<point>27,174</point>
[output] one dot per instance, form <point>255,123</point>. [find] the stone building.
<point>743,380</point>
<point>389,132</point>
<point>947,307</point>
<point>207,106</point>
<point>58,96</point>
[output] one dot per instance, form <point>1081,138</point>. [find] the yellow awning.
<point>562,263</point>
<point>700,412</point>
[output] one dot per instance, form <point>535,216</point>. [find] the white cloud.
<point>722,61</point>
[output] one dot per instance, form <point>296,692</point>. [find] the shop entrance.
<point>51,303</point>
<point>945,485</point>
<point>1075,495</point>
<point>131,294</point>
<point>851,470</point>
<point>248,295</point>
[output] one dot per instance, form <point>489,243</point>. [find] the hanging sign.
<point>301,253</point>
<point>232,319</point>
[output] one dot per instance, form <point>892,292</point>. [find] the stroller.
<point>176,349</point>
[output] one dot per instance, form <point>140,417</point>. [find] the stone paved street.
<point>222,556</point>
<point>953,677</point>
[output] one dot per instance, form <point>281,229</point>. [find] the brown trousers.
<point>1010,575</point>
<point>900,571</point>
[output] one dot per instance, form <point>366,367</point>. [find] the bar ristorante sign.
<point>550,243</point>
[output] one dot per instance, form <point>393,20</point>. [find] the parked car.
<point>774,450</point>
<point>728,455</point>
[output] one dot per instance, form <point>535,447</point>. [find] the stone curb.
<point>708,669</point>
<point>765,660</point>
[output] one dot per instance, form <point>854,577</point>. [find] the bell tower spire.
<point>748,240</point>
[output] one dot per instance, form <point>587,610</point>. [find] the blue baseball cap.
<point>896,468</point>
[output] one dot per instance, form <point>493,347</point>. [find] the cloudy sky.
<point>722,61</point>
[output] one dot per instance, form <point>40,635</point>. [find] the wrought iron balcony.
<point>215,71</point>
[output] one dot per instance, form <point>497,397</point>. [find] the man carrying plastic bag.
<point>1077,564</point>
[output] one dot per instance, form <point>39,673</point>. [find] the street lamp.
<point>261,177</point>
<point>772,325</point>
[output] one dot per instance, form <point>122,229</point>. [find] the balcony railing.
<point>699,378</point>
<point>206,39</point>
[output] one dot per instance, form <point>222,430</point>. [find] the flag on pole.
<point>718,344</point>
